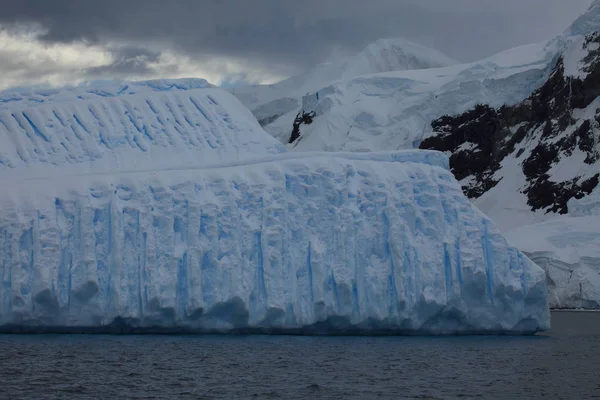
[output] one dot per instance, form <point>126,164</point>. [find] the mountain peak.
<point>392,54</point>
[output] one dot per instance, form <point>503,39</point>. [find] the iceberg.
<point>243,236</point>
<point>285,244</point>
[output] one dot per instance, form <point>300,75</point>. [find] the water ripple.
<point>561,365</point>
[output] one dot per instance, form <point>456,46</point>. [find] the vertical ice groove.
<point>392,290</point>
<point>448,272</point>
<point>114,257</point>
<point>182,288</point>
<point>309,270</point>
<point>130,274</point>
<point>181,220</point>
<point>143,279</point>
<point>487,256</point>
<point>64,273</point>
<point>258,295</point>
<point>26,257</point>
<point>457,254</point>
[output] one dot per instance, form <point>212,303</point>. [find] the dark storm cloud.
<point>285,35</point>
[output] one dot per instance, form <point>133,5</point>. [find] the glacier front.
<point>311,242</point>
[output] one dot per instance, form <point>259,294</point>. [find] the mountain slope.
<point>394,110</point>
<point>548,142</point>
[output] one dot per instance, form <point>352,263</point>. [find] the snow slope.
<point>313,242</point>
<point>104,126</point>
<point>394,110</point>
<point>376,109</point>
<point>268,102</point>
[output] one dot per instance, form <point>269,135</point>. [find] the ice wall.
<point>313,242</point>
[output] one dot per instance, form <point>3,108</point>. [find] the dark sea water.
<point>563,364</point>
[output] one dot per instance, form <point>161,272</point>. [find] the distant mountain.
<point>268,102</point>
<point>394,110</point>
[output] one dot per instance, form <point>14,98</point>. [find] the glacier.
<point>207,224</point>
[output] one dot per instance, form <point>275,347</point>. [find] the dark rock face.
<point>542,129</point>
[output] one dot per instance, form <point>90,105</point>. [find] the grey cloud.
<point>128,60</point>
<point>286,36</point>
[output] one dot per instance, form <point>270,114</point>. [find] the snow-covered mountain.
<point>268,102</point>
<point>394,110</point>
<point>527,162</point>
<point>167,206</point>
<point>521,128</point>
<point>544,150</point>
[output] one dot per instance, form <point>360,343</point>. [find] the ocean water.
<point>562,364</point>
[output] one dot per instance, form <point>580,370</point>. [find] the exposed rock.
<point>543,129</point>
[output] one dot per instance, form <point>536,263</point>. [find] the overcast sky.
<point>257,41</point>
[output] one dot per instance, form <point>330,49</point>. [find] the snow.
<point>34,95</point>
<point>393,110</point>
<point>587,23</point>
<point>568,248</point>
<point>589,205</point>
<point>505,204</point>
<point>384,55</point>
<point>149,123</point>
<point>573,56</point>
<point>371,242</point>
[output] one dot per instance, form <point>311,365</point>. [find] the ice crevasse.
<point>305,242</point>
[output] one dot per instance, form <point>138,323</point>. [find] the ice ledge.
<point>427,157</point>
